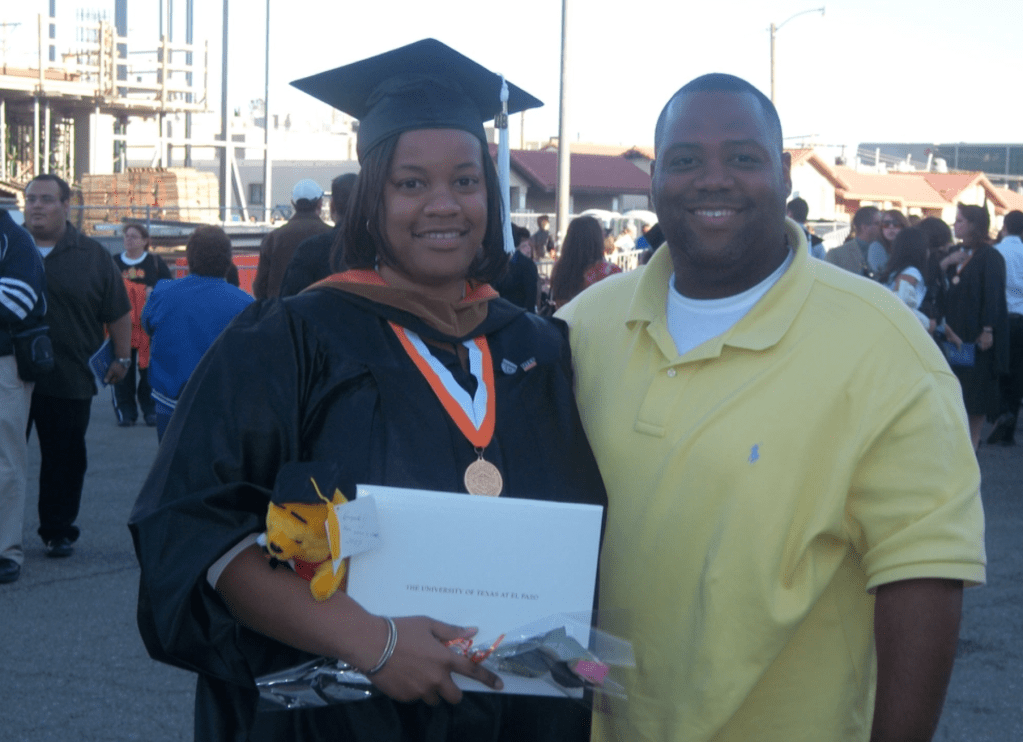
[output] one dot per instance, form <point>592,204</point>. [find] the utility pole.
<point>225,158</point>
<point>267,188</point>
<point>775,29</point>
<point>564,146</point>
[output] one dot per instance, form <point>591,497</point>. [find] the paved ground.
<point>73,668</point>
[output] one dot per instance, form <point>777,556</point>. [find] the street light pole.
<point>774,31</point>
<point>564,189</point>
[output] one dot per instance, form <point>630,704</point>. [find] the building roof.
<point>895,188</point>
<point>646,153</point>
<point>589,148</point>
<point>950,185</point>
<point>1013,201</point>
<point>810,157</point>
<point>589,173</point>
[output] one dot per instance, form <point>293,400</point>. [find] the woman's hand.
<point>278,604</point>
<point>985,339</point>
<point>953,338</point>
<point>953,258</point>
<point>421,666</point>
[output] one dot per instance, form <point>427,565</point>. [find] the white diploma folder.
<point>493,562</point>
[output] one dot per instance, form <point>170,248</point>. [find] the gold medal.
<point>483,478</point>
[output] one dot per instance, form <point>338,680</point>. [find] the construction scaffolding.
<point>69,114</point>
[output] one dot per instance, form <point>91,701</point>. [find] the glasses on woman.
<point>888,224</point>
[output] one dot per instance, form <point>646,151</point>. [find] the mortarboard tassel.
<point>504,167</point>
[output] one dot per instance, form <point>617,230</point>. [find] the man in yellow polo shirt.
<point>794,502</point>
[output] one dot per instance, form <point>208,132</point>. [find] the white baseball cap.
<point>306,189</point>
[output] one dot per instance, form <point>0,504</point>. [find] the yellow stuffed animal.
<point>298,533</point>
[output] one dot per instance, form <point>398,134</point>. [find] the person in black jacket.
<point>318,256</point>
<point>85,298</point>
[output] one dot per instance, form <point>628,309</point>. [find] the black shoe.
<point>151,419</point>
<point>59,548</point>
<point>125,423</point>
<point>10,570</point>
<point>1004,428</point>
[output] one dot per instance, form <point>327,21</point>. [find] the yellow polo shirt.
<point>758,488</point>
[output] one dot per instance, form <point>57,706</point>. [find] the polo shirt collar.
<point>67,241</point>
<point>764,325</point>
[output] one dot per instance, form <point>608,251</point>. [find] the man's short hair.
<point>863,215</point>
<point>519,234</point>
<point>65,189</point>
<point>798,209</point>
<point>542,219</point>
<point>718,82</point>
<point>1014,223</point>
<point>341,189</point>
<point>208,252</point>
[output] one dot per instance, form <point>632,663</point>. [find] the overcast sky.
<point>868,70</point>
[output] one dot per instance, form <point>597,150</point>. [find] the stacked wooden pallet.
<point>171,194</point>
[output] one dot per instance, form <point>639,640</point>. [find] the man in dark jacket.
<point>315,257</point>
<point>279,246</point>
<point>84,293</point>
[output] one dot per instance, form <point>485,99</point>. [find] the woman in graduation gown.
<point>331,375</point>
<point>975,312</point>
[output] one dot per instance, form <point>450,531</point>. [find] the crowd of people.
<point>966,294</point>
<point>784,452</point>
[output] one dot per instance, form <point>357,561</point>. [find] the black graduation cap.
<point>425,85</point>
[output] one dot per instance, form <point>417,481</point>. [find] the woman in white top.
<point>906,266</point>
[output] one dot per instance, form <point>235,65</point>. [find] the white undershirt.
<point>692,322</point>
<point>133,261</point>
<point>44,251</point>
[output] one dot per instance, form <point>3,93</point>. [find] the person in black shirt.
<point>521,281</point>
<point>84,295</point>
<point>141,269</point>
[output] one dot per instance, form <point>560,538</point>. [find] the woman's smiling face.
<point>435,211</point>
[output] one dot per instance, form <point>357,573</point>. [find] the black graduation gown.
<point>976,299</point>
<point>321,377</point>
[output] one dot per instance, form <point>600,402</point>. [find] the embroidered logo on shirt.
<point>531,363</point>
<point>754,454</point>
<point>508,367</point>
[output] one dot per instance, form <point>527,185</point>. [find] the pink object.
<point>594,672</point>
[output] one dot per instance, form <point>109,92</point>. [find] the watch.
<point>126,362</point>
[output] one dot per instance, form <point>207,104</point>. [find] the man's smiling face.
<point>720,184</point>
